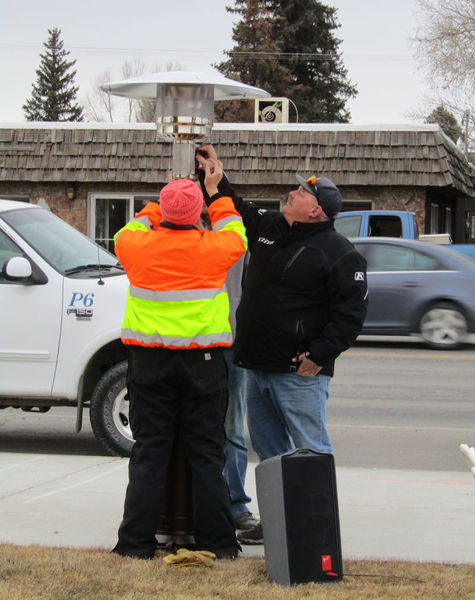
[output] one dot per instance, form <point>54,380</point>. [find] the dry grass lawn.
<point>36,572</point>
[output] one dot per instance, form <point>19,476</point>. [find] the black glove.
<point>224,187</point>
<point>200,173</point>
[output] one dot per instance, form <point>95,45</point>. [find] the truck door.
<point>30,323</point>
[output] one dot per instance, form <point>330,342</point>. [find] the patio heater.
<point>184,110</point>
<point>184,113</point>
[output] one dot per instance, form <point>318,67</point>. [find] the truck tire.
<point>109,412</point>
<point>443,326</point>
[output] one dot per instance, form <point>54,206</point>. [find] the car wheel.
<point>109,412</point>
<point>443,326</point>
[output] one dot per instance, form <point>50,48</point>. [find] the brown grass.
<point>39,573</point>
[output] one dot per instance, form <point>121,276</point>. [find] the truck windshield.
<point>63,247</point>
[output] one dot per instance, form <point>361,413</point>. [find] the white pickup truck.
<point>62,299</point>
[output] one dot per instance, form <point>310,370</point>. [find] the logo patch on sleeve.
<point>359,276</point>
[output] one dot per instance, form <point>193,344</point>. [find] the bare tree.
<point>101,106</point>
<point>465,118</point>
<point>98,105</point>
<point>446,40</point>
<point>128,70</point>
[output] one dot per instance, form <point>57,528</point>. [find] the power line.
<point>244,54</point>
<point>304,55</point>
<point>112,49</point>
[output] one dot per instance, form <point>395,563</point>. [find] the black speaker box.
<point>298,506</point>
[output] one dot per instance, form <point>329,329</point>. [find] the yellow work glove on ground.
<point>186,558</point>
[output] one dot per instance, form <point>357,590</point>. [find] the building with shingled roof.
<point>97,176</point>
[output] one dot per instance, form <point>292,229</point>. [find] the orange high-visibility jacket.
<point>177,296</point>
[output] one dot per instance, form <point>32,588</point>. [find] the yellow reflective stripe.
<point>232,223</point>
<point>136,225</point>
<point>202,340</point>
<point>223,222</point>
<point>175,295</point>
<point>178,319</point>
<point>239,228</point>
<point>145,220</point>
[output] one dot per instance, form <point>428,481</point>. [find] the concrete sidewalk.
<point>77,501</point>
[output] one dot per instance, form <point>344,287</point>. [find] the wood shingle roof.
<point>255,154</point>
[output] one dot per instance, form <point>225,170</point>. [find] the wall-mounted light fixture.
<point>71,192</point>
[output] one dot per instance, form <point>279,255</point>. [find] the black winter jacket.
<point>305,290</point>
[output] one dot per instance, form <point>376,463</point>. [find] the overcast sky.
<point>101,34</point>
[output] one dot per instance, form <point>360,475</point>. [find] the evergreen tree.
<point>253,58</point>
<point>54,94</point>
<point>289,49</point>
<point>447,121</point>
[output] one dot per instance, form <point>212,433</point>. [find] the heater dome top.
<point>146,87</point>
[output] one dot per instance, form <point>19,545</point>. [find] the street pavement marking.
<point>20,464</point>
<point>78,484</point>
<point>404,427</point>
<point>411,354</point>
<point>422,481</point>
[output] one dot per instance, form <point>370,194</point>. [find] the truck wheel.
<point>109,412</point>
<point>443,326</point>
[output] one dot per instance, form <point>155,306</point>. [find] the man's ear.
<point>316,211</point>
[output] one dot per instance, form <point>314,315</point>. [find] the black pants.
<point>171,389</point>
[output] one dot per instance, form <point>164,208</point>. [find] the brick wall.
<point>53,197</point>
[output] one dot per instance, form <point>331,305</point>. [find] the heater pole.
<point>184,115</point>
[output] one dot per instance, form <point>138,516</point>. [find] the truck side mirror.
<point>19,269</point>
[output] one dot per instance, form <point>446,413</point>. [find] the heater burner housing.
<point>184,110</point>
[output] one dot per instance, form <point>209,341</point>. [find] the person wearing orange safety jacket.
<point>176,325</point>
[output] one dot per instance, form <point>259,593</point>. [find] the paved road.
<point>402,406</point>
<point>393,405</point>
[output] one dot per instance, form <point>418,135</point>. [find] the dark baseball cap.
<point>325,191</point>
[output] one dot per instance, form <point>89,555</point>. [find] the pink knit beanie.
<point>181,202</point>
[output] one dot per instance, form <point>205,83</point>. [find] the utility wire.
<point>245,54</point>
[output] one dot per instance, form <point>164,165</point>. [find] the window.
<point>267,203</point>
<point>349,226</point>
<point>448,219</point>
<point>416,227</point>
<point>470,225</point>
<point>16,197</point>
<point>8,249</point>
<point>109,212</point>
<point>434,218</point>
<point>385,225</point>
<point>389,257</point>
<point>62,246</point>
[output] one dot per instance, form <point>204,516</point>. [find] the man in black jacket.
<point>303,303</point>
